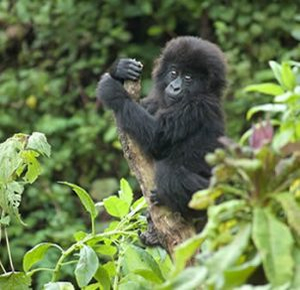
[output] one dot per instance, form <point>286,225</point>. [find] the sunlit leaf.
<point>36,254</point>
<point>87,266</point>
<point>288,77</point>
<point>84,197</point>
<point>291,209</point>
<point>274,242</point>
<point>266,108</point>
<point>267,88</point>
<point>116,207</point>
<point>15,280</point>
<point>276,68</point>
<point>125,192</point>
<point>59,286</point>
<point>38,142</point>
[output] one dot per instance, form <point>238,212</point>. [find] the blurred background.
<point>52,54</point>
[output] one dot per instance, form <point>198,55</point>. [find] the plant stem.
<point>2,267</point>
<point>118,268</point>
<point>39,269</point>
<point>8,250</point>
<point>77,245</point>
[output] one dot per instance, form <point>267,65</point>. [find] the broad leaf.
<point>267,88</point>
<point>38,142</point>
<point>59,286</point>
<point>33,166</point>
<point>185,251</point>
<point>116,207</point>
<point>288,77</point>
<point>266,108</point>
<point>84,197</point>
<point>103,278</point>
<point>87,266</point>
<point>15,280</point>
<point>36,254</point>
<point>137,259</point>
<point>228,255</point>
<point>296,279</point>
<point>274,242</point>
<point>291,209</point>
<point>191,278</point>
<point>276,68</point>
<point>125,192</point>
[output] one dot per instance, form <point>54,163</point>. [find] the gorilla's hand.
<point>126,69</point>
<point>111,92</point>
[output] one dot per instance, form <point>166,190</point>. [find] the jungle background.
<point>52,54</point>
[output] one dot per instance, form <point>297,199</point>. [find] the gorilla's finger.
<point>133,74</point>
<point>135,67</point>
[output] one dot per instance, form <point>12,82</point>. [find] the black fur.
<point>180,121</point>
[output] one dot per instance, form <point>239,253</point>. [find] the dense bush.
<point>52,54</point>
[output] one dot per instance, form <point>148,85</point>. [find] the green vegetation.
<point>52,54</point>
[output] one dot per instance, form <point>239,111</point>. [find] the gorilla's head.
<point>189,67</point>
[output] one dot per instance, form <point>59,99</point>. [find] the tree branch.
<point>170,227</point>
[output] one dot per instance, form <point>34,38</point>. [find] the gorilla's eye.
<point>174,74</point>
<point>188,78</point>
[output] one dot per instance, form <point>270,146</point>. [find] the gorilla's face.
<point>181,83</point>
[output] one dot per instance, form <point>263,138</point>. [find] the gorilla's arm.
<point>131,117</point>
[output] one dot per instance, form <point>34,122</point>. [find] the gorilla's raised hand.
<point>126,69</point>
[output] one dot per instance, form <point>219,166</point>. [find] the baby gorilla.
<point>181,119</point>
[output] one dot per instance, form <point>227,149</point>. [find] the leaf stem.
<point>8,250</point>
<point>2,267</point>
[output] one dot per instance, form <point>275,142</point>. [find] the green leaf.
<point>125,192</point>
<point>116,207</point>
<point>87,266</point>
<point>274,242</point>
<point>84,197</point>
<point>103,278</point>
<point>267,88</point>
<point>15,280</point>
<point>238,275</point>
<point>266,108</point>
<point>106,250</point>
<point>38,142</point>
<point>276,68</point>
<point>282,138</point>
<point>10,159</point>
<point>185,251</point>
<point>36,254</point>
<point>190,278</point>
<point>33,166</point>
<point>291,210</point>
<point>227,256</point>
<point>288,77</point>
<point>137,259</point>
<point>296,279</point>
<point>59,286</point>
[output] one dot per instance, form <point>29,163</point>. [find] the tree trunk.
<point>171,228</point>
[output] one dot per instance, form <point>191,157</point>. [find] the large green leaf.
<point>274,242</point>
<point>185,251</point>
<point>10,159</point>
<point>288,77</point>
<point>276,68</point>
<point>266,108</point>
<point>224,258</point>
<point>137,260</point>
<point>190,278</point>
<point>15,280</point>
<point>125,192</point>
<point>296,279</point>
<point>36,254</point>
<point>267,88</point>
<point>38,142</point>
<point>87,266</point>
<point>84,197</point>
<point>59,286</point>
<point>116,207</point>
<point>291,209</point>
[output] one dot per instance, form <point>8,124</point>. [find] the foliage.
<point>285,108</point>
